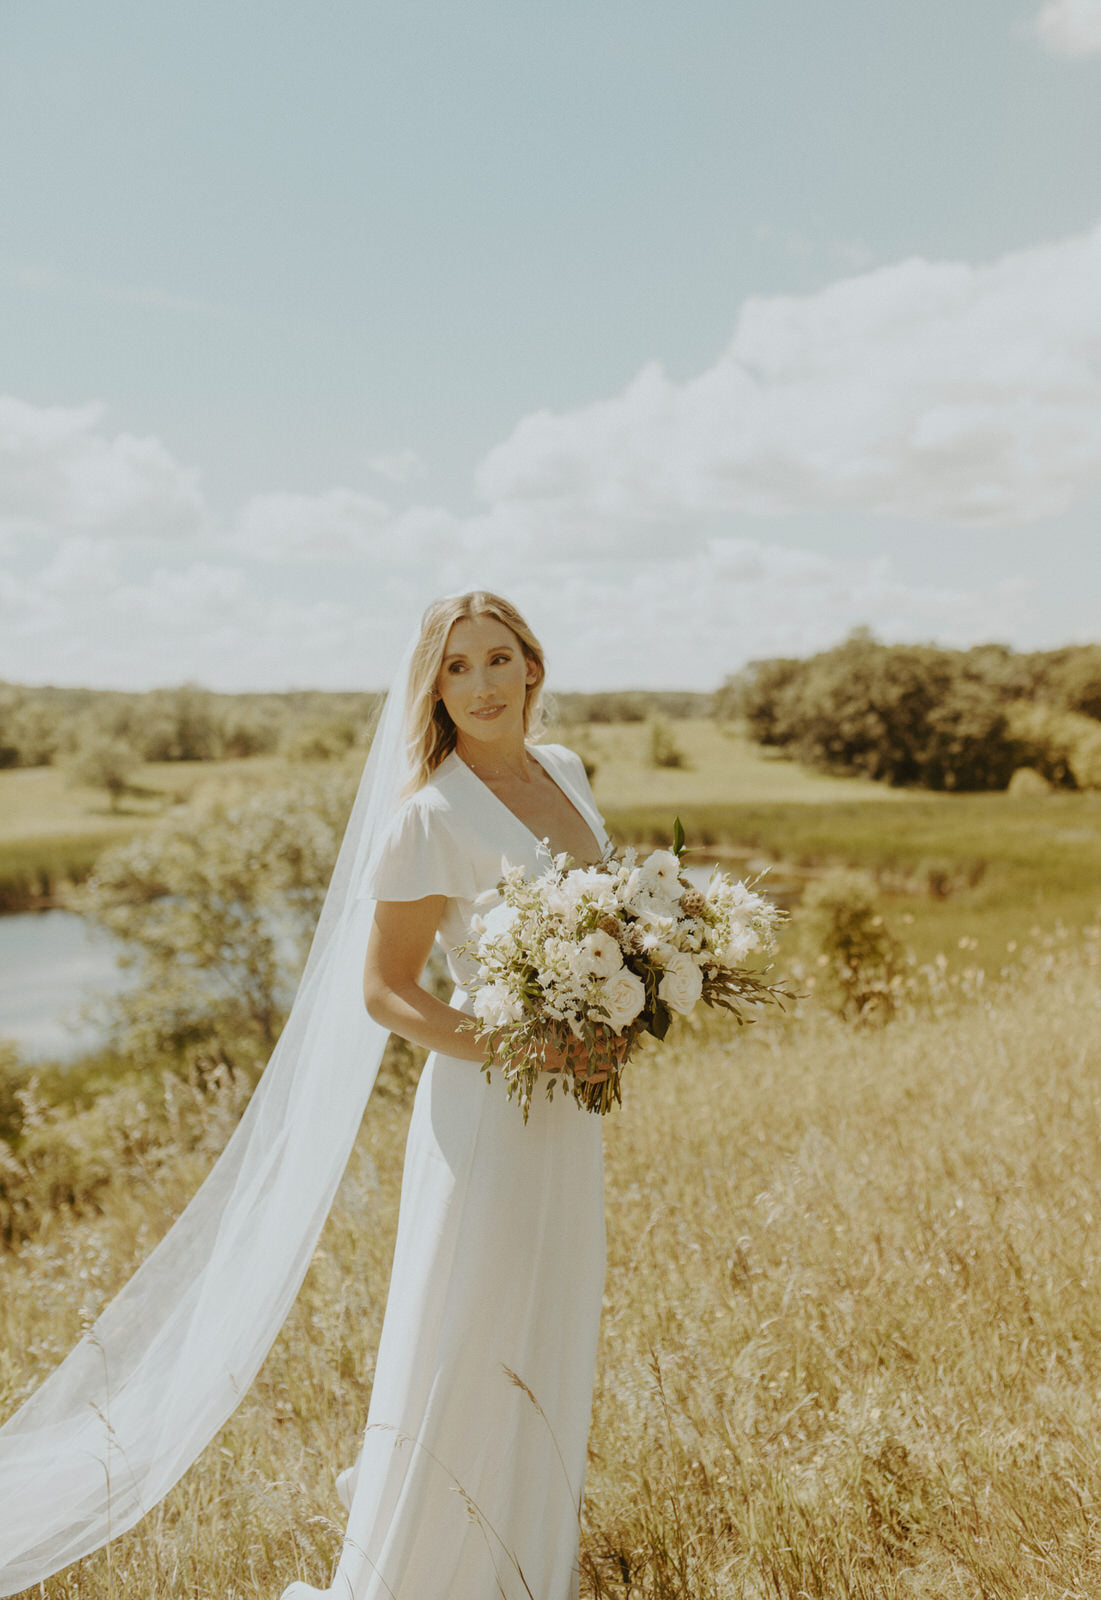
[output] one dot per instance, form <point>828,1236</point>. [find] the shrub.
<point>859,962</point>
<point>663,748</point>
<point>217,906</point>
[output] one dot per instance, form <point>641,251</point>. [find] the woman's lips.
<point>487,712</point>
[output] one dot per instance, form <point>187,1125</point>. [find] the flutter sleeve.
<point>421,854</point>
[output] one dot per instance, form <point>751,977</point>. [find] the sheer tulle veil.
<point>150,1383</point>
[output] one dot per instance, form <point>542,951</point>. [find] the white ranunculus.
<point>681,984</point>
<point>603,957</point>
<point>495,1005</point>
<point>623,997</point>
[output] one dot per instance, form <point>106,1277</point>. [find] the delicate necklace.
<point>489,776</point>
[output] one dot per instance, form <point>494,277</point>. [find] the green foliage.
<point>186,723</point>
<point>105,761</point>
<point>907,715</point>
<point>628,705</point>
<point>60,1160</point>
<point>858,960</point>
<point>217,906</point>
<point>1063,746</point>
<point>662,747</point>
<point>916,714</point>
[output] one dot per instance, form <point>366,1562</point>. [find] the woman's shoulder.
<point>424,850</point>
<point>561,755</point>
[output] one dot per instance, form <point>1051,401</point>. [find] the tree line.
<point>114,728</point>
<point>929,717</point>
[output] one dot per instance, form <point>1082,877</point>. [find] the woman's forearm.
<point>422,1019</point>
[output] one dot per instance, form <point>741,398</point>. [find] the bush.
<point>217,906</point>
<point>1063,746</point>
<point>858,960</point>
<point>903,714</point>
<point>663,748</point>
<point>105,761</point>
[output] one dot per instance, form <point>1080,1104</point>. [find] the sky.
<point>704,333</point>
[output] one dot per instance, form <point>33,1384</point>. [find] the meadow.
<point>852,1336</point>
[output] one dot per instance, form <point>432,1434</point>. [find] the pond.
<point>51,964</point>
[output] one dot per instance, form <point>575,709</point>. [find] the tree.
<point>217,907</point>
<point>104,761</point>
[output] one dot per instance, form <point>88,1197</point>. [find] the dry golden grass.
<point>852,1339</point>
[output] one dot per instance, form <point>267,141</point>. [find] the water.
<point>51,964</point>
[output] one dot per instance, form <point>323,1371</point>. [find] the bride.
<point>470,1476</point>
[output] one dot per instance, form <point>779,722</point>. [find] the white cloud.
<point>1070,28</point>
<point>941,390</point>
<point>684,620</point>
<point>338,525</point>
<point>399,466</point>
<point>61,473</point>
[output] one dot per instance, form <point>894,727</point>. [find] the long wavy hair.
<point>430,732</point>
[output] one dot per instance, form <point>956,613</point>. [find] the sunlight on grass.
<point>852,1332</point>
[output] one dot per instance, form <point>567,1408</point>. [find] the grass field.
<point>993,870</point>
<point>852,1338</point>
<point>990,870</point>
<point>52,829</point>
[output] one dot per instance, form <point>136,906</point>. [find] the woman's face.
<point>483,680</point>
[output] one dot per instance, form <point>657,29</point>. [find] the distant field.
<point>987,870</point>
<point>51,830</point>
<point>721,767</point>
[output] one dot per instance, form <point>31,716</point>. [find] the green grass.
<point>52,830</point>
<point>722,767</point>
<point>988,868</point>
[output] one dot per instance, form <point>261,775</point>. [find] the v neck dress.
<point>469,1483</point>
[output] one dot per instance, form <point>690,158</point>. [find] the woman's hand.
<point>588,1065</point>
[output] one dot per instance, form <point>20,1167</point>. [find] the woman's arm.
<point>397,951</point>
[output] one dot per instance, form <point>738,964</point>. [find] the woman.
<point>469,1480</point>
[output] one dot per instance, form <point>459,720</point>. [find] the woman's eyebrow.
<point>494,650</point>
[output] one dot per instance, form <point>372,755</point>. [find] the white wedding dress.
<point>469,1482</point>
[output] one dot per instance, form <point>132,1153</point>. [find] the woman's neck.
<point>497,762</point>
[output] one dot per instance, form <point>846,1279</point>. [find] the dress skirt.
<point>470,1479</point>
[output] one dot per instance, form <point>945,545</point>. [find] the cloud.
<point>399,466</point>
<point>62,473</point>
<point>964,394</point>
<point>1070,28</point>
<point>338,525</point>
<point>83,618</point>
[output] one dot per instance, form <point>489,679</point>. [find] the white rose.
<point>623,997</point>
<point>603,957</point>
<point>681,984</point>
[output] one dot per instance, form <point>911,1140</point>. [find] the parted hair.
<point>430,732</point>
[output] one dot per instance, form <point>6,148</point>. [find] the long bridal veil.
<point>115,1426</point>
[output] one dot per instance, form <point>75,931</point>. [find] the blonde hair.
<point>430,732</point>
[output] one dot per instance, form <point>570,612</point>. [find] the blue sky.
<point>704,332</point>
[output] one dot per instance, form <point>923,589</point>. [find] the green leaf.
<point>660,1021</point>
<point>678,837</point>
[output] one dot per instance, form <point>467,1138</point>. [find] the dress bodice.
<point>456,838</point>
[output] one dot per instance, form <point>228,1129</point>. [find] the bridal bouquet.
<point>592,958</point>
